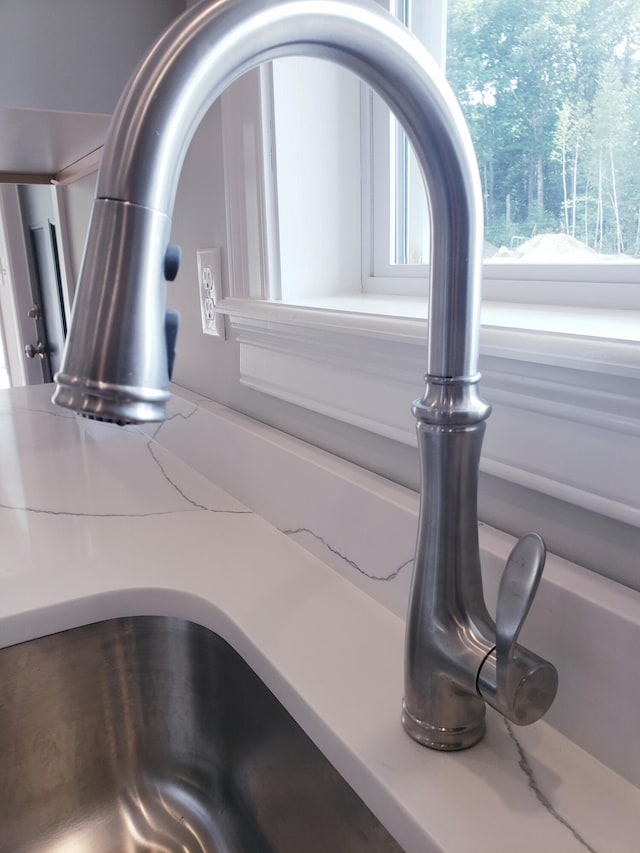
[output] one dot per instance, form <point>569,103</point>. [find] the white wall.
<point>203,363</point>
<point>78,199</point>
<point>319,254</point>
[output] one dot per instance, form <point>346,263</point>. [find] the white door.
<point>33,310</point>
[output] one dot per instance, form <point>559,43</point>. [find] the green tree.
<point>551,92</point>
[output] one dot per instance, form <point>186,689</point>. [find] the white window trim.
<point>564,381</point>
<point>566,419</point>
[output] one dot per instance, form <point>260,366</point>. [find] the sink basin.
<point>152,734</point>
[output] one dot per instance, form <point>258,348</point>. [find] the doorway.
<point>46,314</point>
<point>34,292</point>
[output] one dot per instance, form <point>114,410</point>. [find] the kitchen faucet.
<point>115,362</point>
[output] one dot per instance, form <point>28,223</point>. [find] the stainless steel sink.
<point>152,734</point>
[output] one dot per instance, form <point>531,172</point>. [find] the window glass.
<point>551,93</point>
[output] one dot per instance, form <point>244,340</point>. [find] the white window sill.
<point>564,384</point>
<point>608,339</point>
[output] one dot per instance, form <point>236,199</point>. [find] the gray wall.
<point>75,55</point>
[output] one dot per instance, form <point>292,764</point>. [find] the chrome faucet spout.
<point>115,363</point>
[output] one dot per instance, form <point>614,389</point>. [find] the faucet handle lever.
<point>518,586</point>
<point>513,680</point>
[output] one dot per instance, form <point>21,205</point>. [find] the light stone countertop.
<point>98,521</point>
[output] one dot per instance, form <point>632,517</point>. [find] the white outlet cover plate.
<point>210,289</point>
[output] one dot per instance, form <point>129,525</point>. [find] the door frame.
<point>16,292</point>
<point>15,300</point>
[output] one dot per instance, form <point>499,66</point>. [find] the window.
<point>399,211</point>
<point>548,91</point>
<point>556,215</point>
<point>548,106</point>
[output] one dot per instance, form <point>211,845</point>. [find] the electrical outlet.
<point>210,286</point>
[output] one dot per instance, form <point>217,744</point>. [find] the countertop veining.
<point>98,521</point>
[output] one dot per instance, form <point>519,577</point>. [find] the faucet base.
<point>445,739</point>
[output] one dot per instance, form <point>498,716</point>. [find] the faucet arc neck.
<point>212,44</point>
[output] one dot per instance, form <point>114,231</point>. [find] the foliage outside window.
<point>551,92</point>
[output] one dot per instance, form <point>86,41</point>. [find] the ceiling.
<point>37,145</point>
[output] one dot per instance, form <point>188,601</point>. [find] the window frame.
<point>533,283</point>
